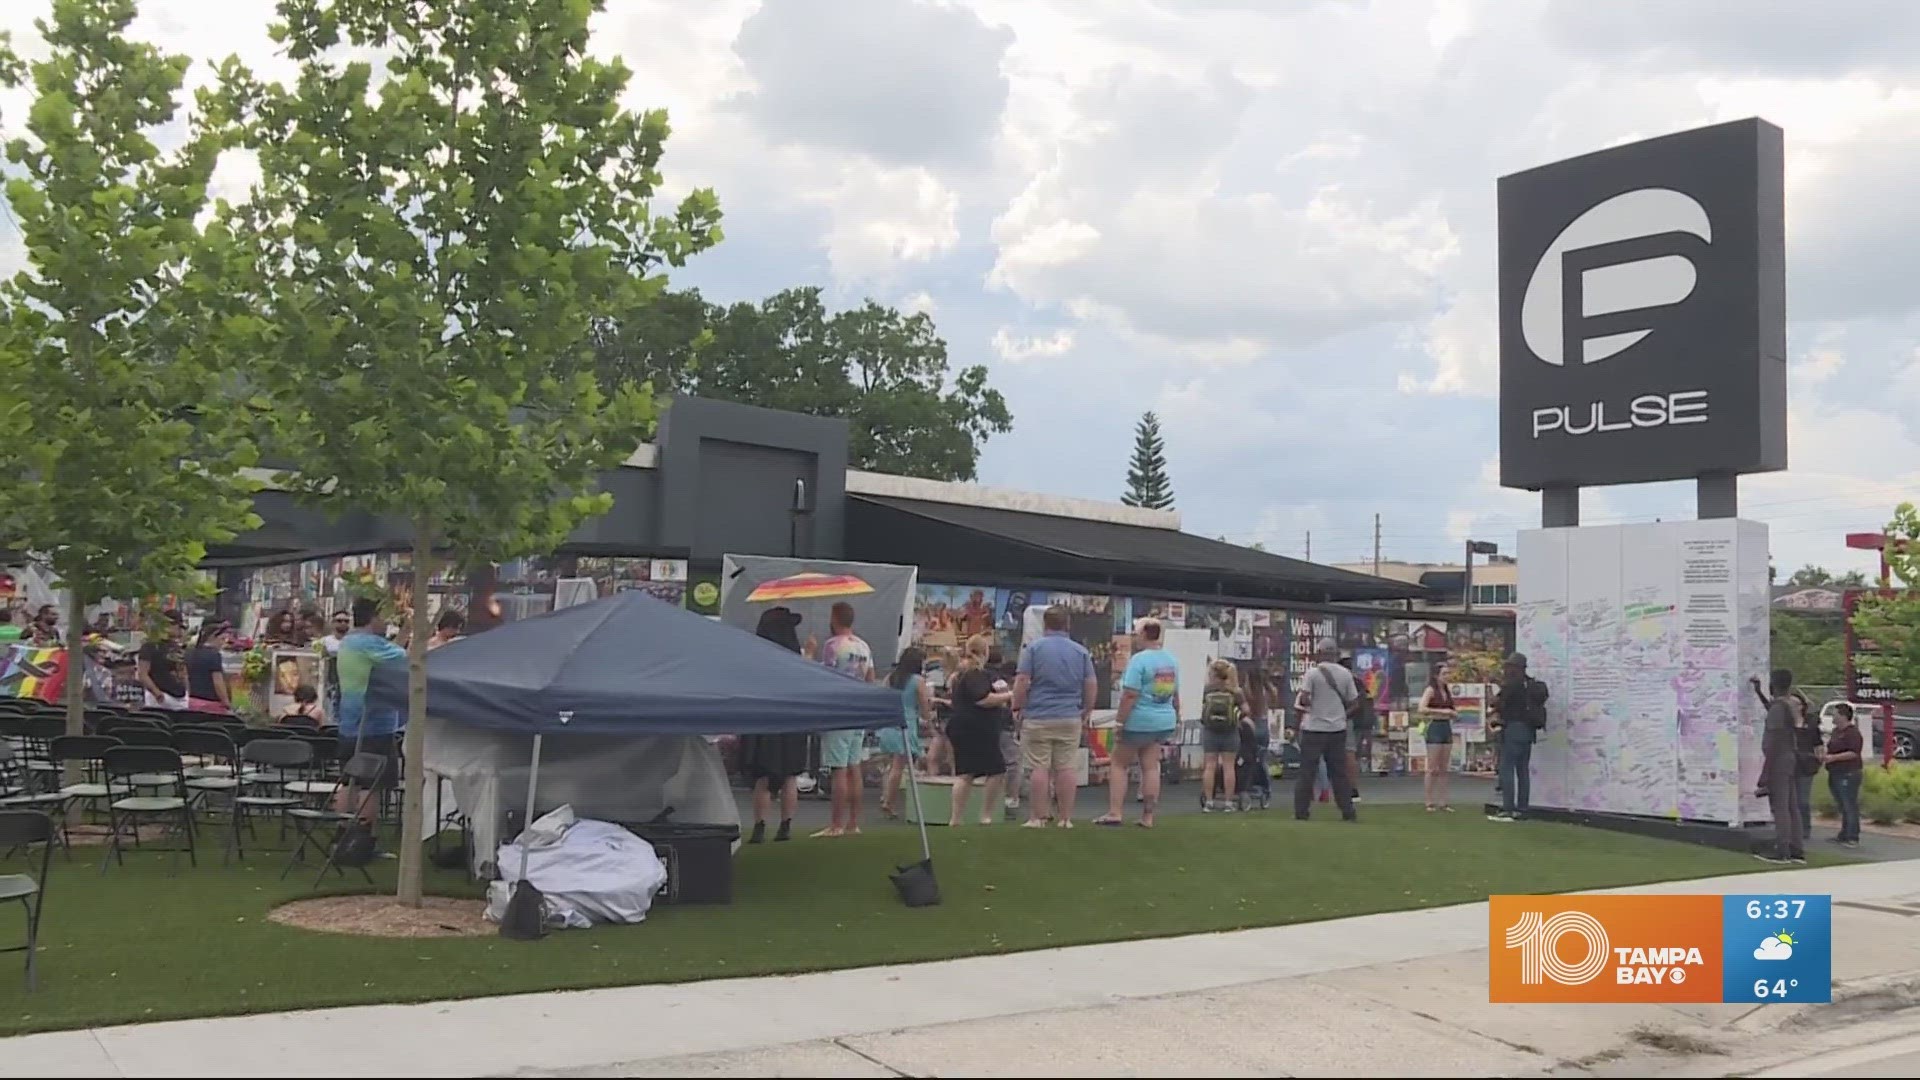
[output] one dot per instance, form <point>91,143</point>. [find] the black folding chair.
<point>154,768</point>
<point>26,828</point>
<point>265,765</point>
<point>362,775</point>
<point>143,735</point>
<point>218,768</point>
<point>36,735</point>
<point>89,752</point>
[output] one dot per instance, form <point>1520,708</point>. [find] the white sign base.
<point>1647,636</point>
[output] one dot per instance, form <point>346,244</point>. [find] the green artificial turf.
<point>137,944</point>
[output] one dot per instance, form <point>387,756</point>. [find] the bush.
<point>1887,796</point>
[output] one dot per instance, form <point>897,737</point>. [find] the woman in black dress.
<point>974,731</point>
<point>767,759</point>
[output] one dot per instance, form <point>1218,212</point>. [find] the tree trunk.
<point>413,803</point>
<point>76,662</point>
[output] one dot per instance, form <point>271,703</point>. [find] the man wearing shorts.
<point>364,730</point>
<point>1054,692</point>
<point>844,751</point>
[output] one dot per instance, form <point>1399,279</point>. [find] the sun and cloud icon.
<point>1775,947</point>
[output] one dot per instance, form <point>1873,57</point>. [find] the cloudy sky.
<point>1273,223</point>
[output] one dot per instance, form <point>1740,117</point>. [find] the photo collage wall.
<point>505,592</point>
<point>1392,654</point>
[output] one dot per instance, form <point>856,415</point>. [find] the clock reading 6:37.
<point>1775,909</point>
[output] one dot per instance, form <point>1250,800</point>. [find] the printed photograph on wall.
<point>1094,629</point>
<point>1370,669</point>
<point>946,615</point>
<point>1359,631</point>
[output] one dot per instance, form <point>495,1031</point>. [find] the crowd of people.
<point>991,725</point>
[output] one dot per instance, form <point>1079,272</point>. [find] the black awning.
<point>954,542</point>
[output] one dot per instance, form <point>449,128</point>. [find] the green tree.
<point>1891,621</point>
<point>1811,646</point>
<point>433,249</point>
<point>1147,482</point>
<point>124,463</point>
<point>884,371</point>
<point>1814,577</point>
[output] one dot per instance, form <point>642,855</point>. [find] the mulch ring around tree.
<point>384,916</point>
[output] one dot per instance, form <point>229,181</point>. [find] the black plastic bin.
<point>699,860</point>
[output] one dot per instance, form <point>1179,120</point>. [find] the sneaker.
<point>1206,807</point>
<point>759,835</point>
<point>1227,808</point>
<point>1797,860</point>
<point>1499,817</point>
<point>1849,843</point>
<point>1769,857</point>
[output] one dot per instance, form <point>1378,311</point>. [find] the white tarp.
<point>625,779</point>
<point>588,871</point>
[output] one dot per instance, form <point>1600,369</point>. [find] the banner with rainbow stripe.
<point>31,671</point>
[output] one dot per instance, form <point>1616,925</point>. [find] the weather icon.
<point>1775,947</point>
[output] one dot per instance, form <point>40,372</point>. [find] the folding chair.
<point>264,765</point>
<point>362,773</point>
<point>218,768</point>
<point>36,735</point>
<point>143,735</point>
<point>89,751</point>
<point>298,723</point>
<point>147,768</point>
<point>18,828</point>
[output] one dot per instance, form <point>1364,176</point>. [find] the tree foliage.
<point>433,242</point>
<point>124,462</point>
<point>1817,577</point>
<point>1811,646</point>
<point>1891,621</point>
<point>1148,484</point>
<point>885,371</point>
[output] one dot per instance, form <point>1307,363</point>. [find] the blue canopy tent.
<point>628,683</point>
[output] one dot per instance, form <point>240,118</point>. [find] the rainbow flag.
<point>29,671</point>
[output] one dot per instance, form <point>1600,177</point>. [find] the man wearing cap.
<point>1326,695</point>
<point>161,665</point>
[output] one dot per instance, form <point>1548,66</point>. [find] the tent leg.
<point>533,784</point>
<point>919,812</point>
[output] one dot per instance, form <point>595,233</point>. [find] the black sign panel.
<point>1643,312</point>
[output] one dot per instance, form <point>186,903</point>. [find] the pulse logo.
<point>1598,290</point>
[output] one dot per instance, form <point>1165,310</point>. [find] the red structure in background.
<point>1861,687</point>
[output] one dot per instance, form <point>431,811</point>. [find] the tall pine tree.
<point>1147,482</point>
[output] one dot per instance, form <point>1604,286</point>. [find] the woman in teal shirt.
<point>1149,713</point>
<point>902,744</point>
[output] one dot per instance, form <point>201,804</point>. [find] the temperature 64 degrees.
<point>1777,949</point>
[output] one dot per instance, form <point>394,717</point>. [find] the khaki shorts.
<point>1049,745</point>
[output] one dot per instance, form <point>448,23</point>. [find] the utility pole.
<point>1309,545</point>
<point>1376,545</point>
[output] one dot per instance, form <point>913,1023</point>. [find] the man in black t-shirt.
<point>161,666</point>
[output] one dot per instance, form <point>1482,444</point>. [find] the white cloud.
<point>1022,347</point>
<point>878,218</point>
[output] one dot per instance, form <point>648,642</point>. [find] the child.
<point>1251,765</point>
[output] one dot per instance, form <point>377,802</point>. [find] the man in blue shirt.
<point>362,729</point>
<point>1054,694</point>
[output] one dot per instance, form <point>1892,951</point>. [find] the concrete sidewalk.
<point>1401,993</point>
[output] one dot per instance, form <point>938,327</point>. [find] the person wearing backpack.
<point>1222,706</point>
<point>1518,714</point>
<point>1360,721</point>
<point>1327,699</point>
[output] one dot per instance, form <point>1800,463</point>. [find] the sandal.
<point>1063,823</point>
<point>1033,823</point>
<point>828,831</point>
<point>1109,821</point>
